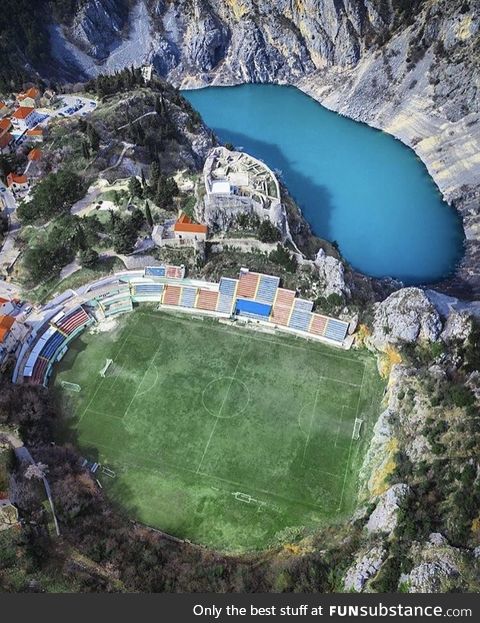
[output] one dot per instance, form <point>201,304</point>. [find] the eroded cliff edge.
<point>409,68</point>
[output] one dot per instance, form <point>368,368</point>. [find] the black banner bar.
<point>223,608</point>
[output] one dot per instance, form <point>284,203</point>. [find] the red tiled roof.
<point>35,132</point>
<point>6,323</point>
<point>16,179</point>
<point>5,124</point>
<point>184,223</point>
<point>23,112</point>
<point>35,154</point>
<point>5,140</point>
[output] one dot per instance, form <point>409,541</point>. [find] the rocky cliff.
<point>409,68</point>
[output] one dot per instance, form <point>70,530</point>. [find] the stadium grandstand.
<point>252,297</point>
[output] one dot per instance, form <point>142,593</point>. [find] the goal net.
<point>103,371</point>
<point>72,387</point>
<point>356,428</point>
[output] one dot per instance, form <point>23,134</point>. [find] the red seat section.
<point>318,324</point>
<point>172,295</point>
<point>68,324</point>
<point>207,299</point>
<point>247,285</point>
<point>282,306</point>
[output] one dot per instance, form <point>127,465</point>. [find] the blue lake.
<point>355,185</point>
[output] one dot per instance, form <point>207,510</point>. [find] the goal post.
<point>72,387</point>
<point>103,371</point>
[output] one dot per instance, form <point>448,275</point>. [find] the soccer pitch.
<point>228,437</point>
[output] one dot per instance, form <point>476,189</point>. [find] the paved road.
<point>8,252</point>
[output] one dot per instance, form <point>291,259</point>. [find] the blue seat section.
<point>148,289</point>
<point>53,345</point>
<point>267,288</point>
<point>303,305</point>
<point>300,320</point>
<point>252,309</point>
<point>188,297</point>
<point>226,289</point>
<point>227,286</point>
<point>336,330</point>
<point>225,304</point>
<point>155,271</point>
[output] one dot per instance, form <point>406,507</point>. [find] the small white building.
<point>25,118</point>
<point>221,187</point>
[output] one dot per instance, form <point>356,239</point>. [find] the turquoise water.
<point>355,185</point>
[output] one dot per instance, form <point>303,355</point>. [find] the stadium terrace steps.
<point>267,289</point>
<point>172,295</point>
<point>207,300</point>
<point>253,296</point>
<point>188,297</point>
<point>248,284</point>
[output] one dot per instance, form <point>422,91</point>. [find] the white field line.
<point>221,409</point>
<point>103,379</point>
<point>159,465</point>
<point>339,426</point>
<point>143,378</point>
<point>351,445</point>
<point>311,424</point>
<point>240,332</point>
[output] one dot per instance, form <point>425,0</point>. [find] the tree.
<point>93,137</point>
<point>135,187</point>
<point>282,257</point>
<point>148,214</point>
<point>267,232</point>
<point>88,258</point>
<point>155,173</point>
<point>124,236</point>
<point>53,195</point>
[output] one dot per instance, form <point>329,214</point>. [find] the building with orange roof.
<point>25,118</point>
<point>30,97</point>
<point>5,142</point>
<point>6,323</point>
<point>5,125</point>
<point>35,135</point>
<point>35,154</point>
<point>4,109</point>
<point>185,229</point>
<point>17,183</point>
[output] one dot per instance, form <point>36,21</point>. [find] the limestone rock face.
<point>98,24</point>
<point>458,326</point>
<point>429,577</point>
<point>384,517</point>
<point>364,568</point>
<point>405,316</point>
<point>332,274</point>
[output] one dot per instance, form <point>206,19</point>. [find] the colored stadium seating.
<point>227,290</point>
<point>175,272</point>
<point>303,305</point>
<point>53,344</point>
<point>247,285</point>
<point>207,300</point>
<point>267,289</point>
<point>172,295</point>
<point>283,306</point>
<point>73,321</point>
<point>147,291</point>
<point>300,320</point>
<point>188,297</point>
<point>336,330</point>
<point>155,271</point>
<point>318,324</point>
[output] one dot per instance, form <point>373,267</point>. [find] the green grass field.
<point>232,438</point>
